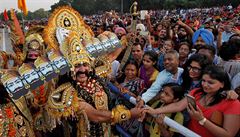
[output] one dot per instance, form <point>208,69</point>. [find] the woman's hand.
<point>196,114</point>
<point>150,110</point>
<point>159,119</point>
<point>231,94</point>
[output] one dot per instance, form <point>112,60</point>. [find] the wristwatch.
<point>202,122</point>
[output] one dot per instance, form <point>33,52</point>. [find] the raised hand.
<point>150,110</point>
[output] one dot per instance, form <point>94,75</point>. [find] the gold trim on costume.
<point>120,114</point>
<point>63,102</point>
<point>74,50</point>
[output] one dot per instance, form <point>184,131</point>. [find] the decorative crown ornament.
<point>76,53</point>
<point>34,41</point>
<point>68,18</point>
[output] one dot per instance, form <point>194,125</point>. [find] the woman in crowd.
<point>148,71</point>
<point>193,71</point>
<point>130,82</point>
<point>214,116</point>
<point>133,86</point>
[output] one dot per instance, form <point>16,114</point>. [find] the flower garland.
<point>92,87</point>
<point>7,124</point>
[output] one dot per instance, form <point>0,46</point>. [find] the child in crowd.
<point>171,93</point>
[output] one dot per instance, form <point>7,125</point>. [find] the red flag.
<point>5,15</point>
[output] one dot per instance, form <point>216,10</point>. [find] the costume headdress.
<point>68,18</point>
<point>34,41</point>
<point>67,32</point>
<point>17,36</point>
<point>74,50</point>
<point>3,60</point>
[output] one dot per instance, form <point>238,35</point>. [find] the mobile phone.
<point>192,101</point>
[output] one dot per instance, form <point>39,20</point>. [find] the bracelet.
<point>120,114</point>
<point>202,122</point>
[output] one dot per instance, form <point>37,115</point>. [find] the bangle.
<point>202,122</point>
<point>119,114</point>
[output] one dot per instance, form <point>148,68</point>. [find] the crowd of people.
<point>163,57</point>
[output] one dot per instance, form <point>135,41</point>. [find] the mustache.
<point>82,72</point>
<point>29,60</point>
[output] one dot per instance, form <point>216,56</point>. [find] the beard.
<point>180,36</point>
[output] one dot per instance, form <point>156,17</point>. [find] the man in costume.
<point>17,111</point>
<point>27,49</point>
<point>82,94</point>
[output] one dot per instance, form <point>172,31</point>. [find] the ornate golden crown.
<point>34,34</point>
<point>76,53</point>
<point>40,61</point>
<point>9,75</point>
<point>25,68</point>
<point>54,55</point>
<point>68,18</point>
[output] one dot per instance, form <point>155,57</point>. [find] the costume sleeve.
<point>162,78</point>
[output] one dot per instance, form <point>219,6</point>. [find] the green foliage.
<point>93,6</point>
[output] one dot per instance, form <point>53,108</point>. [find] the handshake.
<point>140,110</point>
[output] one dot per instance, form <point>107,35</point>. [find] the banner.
<point>23,6</point>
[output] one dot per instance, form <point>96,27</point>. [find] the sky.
<point>31,4</point>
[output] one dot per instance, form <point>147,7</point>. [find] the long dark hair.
<point>153,57</point>
<point>203,62</point>
<point>178,91</point>
<point>217,73</point>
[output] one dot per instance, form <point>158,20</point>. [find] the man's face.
<point>228,28</point>
<point>184,51</point>
<point>168,45</point>
<point>82,71</point>
<point>162,34</point>
<point>120,34</point>
<point>33,50</point>
<point>170,62</point>
<point>182,33</point>
<point>200,41</point>
<point>137,52</point>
